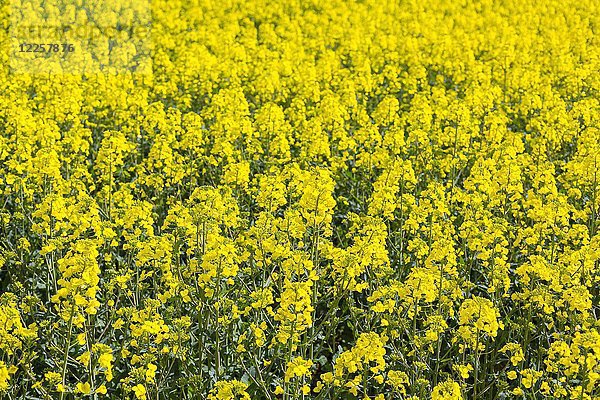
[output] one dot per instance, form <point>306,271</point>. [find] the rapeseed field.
<point>294,199</point>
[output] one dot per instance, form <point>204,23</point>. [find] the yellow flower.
<point>529,377</point>
<point>140,391</point>
<point>478,316</point>
<point>105,360</point>
<point>84,388</point>
<point>465,370</point>
<point>150,372</point>
<point>368,348</point>
<point>298,367</point>
<point>516,352</point>
<point>229,390</point>
<point>398,380</point>
<point>101,389</point>
<point>448,390</point>
<point>4,377</point>
<point>81,339</point>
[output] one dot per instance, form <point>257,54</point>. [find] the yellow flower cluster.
<point>369,349</point>
<point>293,200</point>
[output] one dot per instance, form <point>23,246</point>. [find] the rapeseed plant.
<point>301,200</point>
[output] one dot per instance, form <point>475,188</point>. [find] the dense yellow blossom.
<point>294,199</point>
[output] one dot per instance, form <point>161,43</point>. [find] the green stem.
<point>64,370</point>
